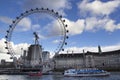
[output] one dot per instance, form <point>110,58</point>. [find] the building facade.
<point>6,64</point>
<point>45,56</point>
<point>34,56</point>
<point>105,60</point>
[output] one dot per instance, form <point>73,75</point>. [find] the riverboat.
<point>86,72</point>
<point>35,74</point>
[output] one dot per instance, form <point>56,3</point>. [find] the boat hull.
<point>35,74</point>
<point>89,75</point>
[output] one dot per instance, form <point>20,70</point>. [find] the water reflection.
<point>113,76</point>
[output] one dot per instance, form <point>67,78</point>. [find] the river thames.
<point>113,76</point>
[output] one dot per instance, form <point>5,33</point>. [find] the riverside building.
<point>104,60</point>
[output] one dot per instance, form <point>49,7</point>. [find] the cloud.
<point>2,46</point>
<point>111,26</point>
<point>75,27</point>
<point>88,24</point>
<point>36,27</point>
<point>94,24</point>
<point>5,57</point>
<point>2,31</point>
<point>41,36</point>
<point>91,24</point>
<point>92,49</point>
<point>98,15</point>
<point>56,41</point>
<point>17,47</point>
<point>24,24</point>
<point>53,29</point>
<point>58,5</point>
<point>98,7</point>
<point>5,19</point>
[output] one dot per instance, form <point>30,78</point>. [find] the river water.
<point>113,76</point>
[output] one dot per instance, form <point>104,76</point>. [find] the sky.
<point>90,23</point>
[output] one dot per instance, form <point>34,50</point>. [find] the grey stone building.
<point>34,56</point>
<point>105,60</point>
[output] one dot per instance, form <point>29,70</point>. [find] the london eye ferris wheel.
<point>47,24</point>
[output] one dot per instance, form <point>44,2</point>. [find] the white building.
<point>106,60</point>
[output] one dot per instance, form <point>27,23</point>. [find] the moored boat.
<point>35,74</point>
<point>86,72</point>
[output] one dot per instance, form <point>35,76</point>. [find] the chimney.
<point>99,49</point>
